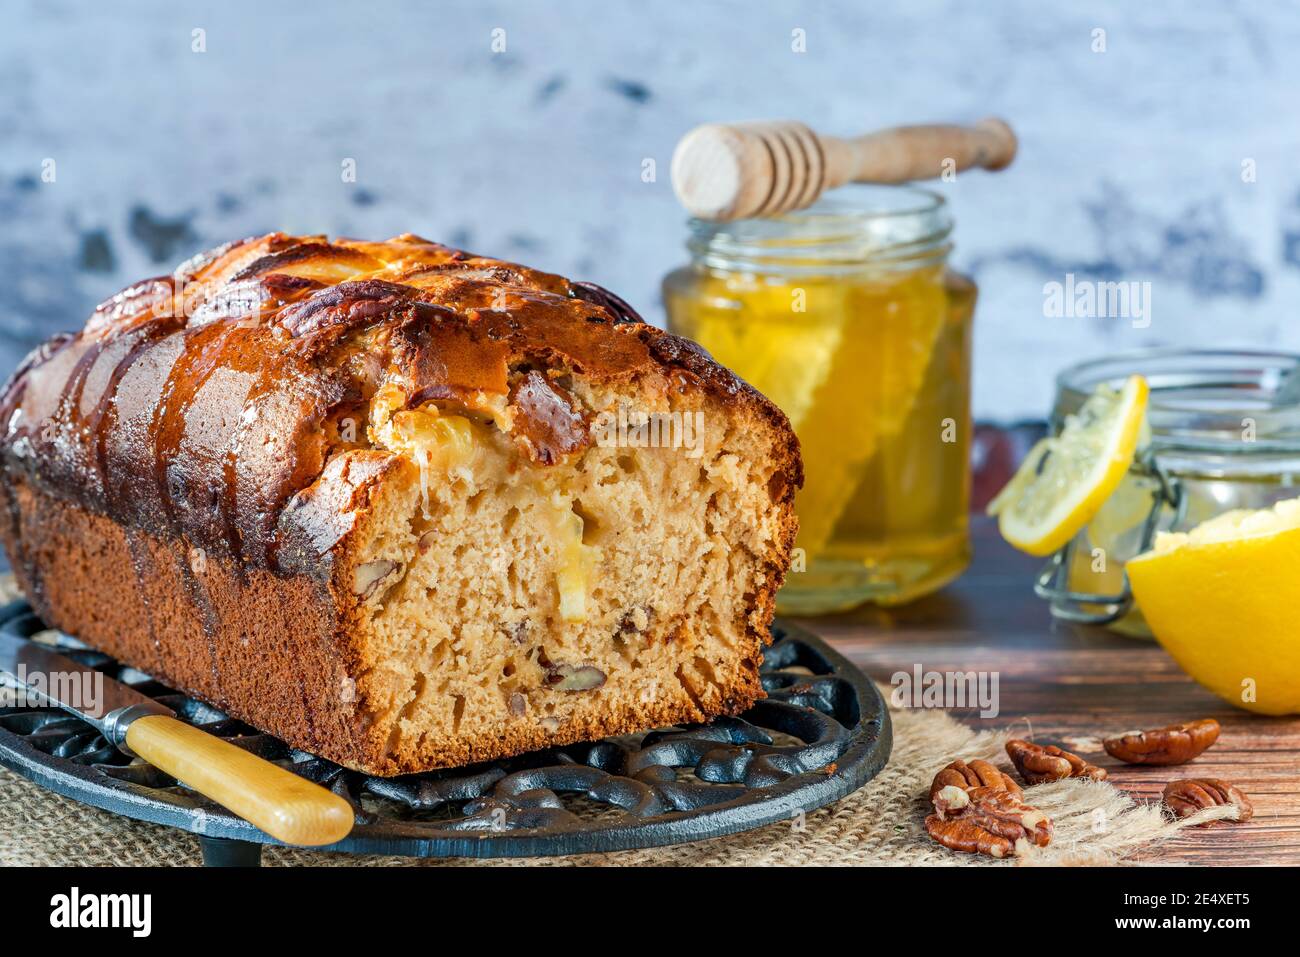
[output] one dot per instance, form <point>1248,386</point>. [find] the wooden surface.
<point>1074,685</point>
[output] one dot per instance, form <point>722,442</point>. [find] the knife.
<point>287,807</point>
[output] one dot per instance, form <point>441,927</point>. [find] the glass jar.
<point>1224,433</point>
<point>847,316</point>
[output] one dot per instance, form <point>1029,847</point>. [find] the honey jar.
<point>847,316</point>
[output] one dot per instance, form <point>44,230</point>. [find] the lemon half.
<point>1065,479</point>
<point>1222,599</point>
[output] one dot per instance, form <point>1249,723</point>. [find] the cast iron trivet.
<point>822,732</point>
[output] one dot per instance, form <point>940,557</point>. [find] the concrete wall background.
<point>1131,165</point>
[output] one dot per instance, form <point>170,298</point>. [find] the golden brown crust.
<point>138,598</point>
<point>202,402</point>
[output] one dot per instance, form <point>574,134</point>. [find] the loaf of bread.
<point>402,506</point>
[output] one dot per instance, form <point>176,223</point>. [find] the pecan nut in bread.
<point>402,506</point>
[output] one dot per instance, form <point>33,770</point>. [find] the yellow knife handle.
<point>288,807</point>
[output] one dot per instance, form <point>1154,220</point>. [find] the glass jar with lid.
<point>847,316</point>
<point>1223,433</point>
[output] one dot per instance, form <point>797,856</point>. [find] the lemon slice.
<point>1066,478</point>
<point>749,327</point>
<point>865,399</point>
<point>1221,599</point>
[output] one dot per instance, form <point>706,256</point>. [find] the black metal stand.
<point>821,732</point>
<point>225,852</point>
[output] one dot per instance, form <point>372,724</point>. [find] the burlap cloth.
<point>882,823</point>
<point>879,824</point>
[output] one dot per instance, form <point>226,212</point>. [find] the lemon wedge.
<point>847,369</point>
<point>1221,599</point>
<point>1066,478</point>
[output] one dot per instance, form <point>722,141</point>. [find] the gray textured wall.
<point>1131,163</point>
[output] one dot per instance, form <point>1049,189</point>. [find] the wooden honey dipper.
<point>737,170</point>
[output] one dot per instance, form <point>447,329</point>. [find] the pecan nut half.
<point>1190,795</point>
<point>947,791</point>
<point>367,578</point>
<point>564,677</point>
<point>1039,763</point>
<point>994,821</point>
<point>1176,744</point>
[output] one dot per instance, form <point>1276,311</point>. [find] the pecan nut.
<point>993,821</point>
<point>564,677</point>
<point>963,777</point>
<point>367,578</point>
<point>1190,795</point>
<point>1176,744</point>
<point>1039,763</point>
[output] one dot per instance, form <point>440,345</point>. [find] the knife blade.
<point>107,705</point>
<point>288,807</point>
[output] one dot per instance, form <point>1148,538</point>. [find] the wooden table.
<point>1074,683</point>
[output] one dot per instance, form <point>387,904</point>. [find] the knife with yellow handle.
<point>287,807</point>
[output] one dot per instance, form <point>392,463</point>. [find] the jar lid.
<point>861,224</point>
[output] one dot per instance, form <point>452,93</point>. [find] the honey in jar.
<point>847,317</point>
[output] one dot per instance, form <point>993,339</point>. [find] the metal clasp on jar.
<point>1090,608</point>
